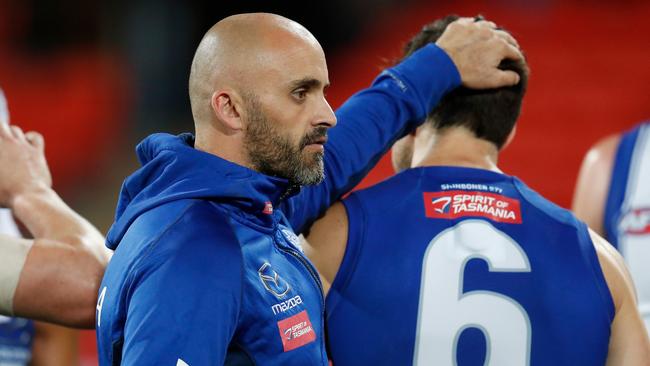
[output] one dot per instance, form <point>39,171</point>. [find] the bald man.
<point>54,276</point>
<point>207,267</point>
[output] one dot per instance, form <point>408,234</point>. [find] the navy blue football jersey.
<point>461,266</point>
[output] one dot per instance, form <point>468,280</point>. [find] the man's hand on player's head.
<point>477,48</point>
<point>22,163</point>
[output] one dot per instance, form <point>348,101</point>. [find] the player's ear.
<point>511,137</point>
<point>226,106</point>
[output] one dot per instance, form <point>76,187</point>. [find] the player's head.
<point>257,85</point>
<point>489,114</point>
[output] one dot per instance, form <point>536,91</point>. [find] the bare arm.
<point>325,245</point>
<point>593,183</point>
<point>629,344</point>
<point>55,346</point>
<point>64,263</point>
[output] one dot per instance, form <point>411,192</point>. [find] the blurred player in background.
<point>51,277</point>
<point>613,197</point>
<point>452,262</point>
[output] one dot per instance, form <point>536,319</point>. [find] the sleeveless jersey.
<point>16,334</point>
<point>627,210</point>
<point>460,266</point>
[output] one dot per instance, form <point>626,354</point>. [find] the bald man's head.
<point>237,53</point>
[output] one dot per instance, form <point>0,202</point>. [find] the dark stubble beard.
<point>272,152</point>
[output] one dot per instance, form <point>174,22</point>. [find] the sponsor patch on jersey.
<point>283,306</point>
<point>455,204</point>
<point>296,331</point>
<point>636,222</point>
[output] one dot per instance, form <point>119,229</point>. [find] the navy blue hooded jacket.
<point>207,267</point>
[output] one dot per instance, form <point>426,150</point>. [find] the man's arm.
<point>397,102</point>
<point>54,346</point>
<point>629,344</point>
<point>55,276</point>
<point>326,243</point>
<point>592,186</point>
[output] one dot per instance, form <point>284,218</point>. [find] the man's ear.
<point>511,137</point>
<point>226,109</point>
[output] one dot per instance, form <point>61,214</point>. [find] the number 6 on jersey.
<point>445,311</point>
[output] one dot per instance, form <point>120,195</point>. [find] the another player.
<point>452,262</point>
<point>613,197</point>
<point>54,276</point>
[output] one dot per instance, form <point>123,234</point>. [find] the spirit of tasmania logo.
<point>455,204</point>
<point>296,331</point>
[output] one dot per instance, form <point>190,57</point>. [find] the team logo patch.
<point>272,281</point>
<point>636,222</point>
<point>296,331</point>
<point>455,204</point>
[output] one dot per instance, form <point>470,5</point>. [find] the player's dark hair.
<point>490,114</point>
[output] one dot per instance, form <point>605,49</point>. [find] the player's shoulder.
<point>188,229</point>
<point>545,207</point>
<point>601,155</point>
<point>386,193</point>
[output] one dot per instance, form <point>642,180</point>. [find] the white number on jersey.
<point>445,311</point>
<point>100,304</point>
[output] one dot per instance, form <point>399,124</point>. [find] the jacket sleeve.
<point>183,301</point>
<point>370,122</point>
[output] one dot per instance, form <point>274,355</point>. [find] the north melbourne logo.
<point>455,204</point>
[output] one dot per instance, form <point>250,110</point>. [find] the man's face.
<point>277,153</point>
<point>288,117</point>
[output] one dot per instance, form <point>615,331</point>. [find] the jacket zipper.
<point>294,253</point>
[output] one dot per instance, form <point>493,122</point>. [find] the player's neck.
<point>454,147</point>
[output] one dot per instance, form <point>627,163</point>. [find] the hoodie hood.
<point>172,169</point>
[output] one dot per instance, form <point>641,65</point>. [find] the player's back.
<point>627,210</point>
<point>459,266</point>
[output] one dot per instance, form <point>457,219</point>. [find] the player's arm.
<point>55,276</point>
<point>629,344</point>
<point>326,243</point>
<point>54,346</point>
<point>397,102</point>
<point>592,186</point>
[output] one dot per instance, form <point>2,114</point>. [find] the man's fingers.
<point>4,130</point>
<point>507,37</point>
<point>504,78</point>
<point>17,132</point>
<point>35,139</point>
<point>512,53</point>
<point>464,20</point>
<point>486,24</point>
